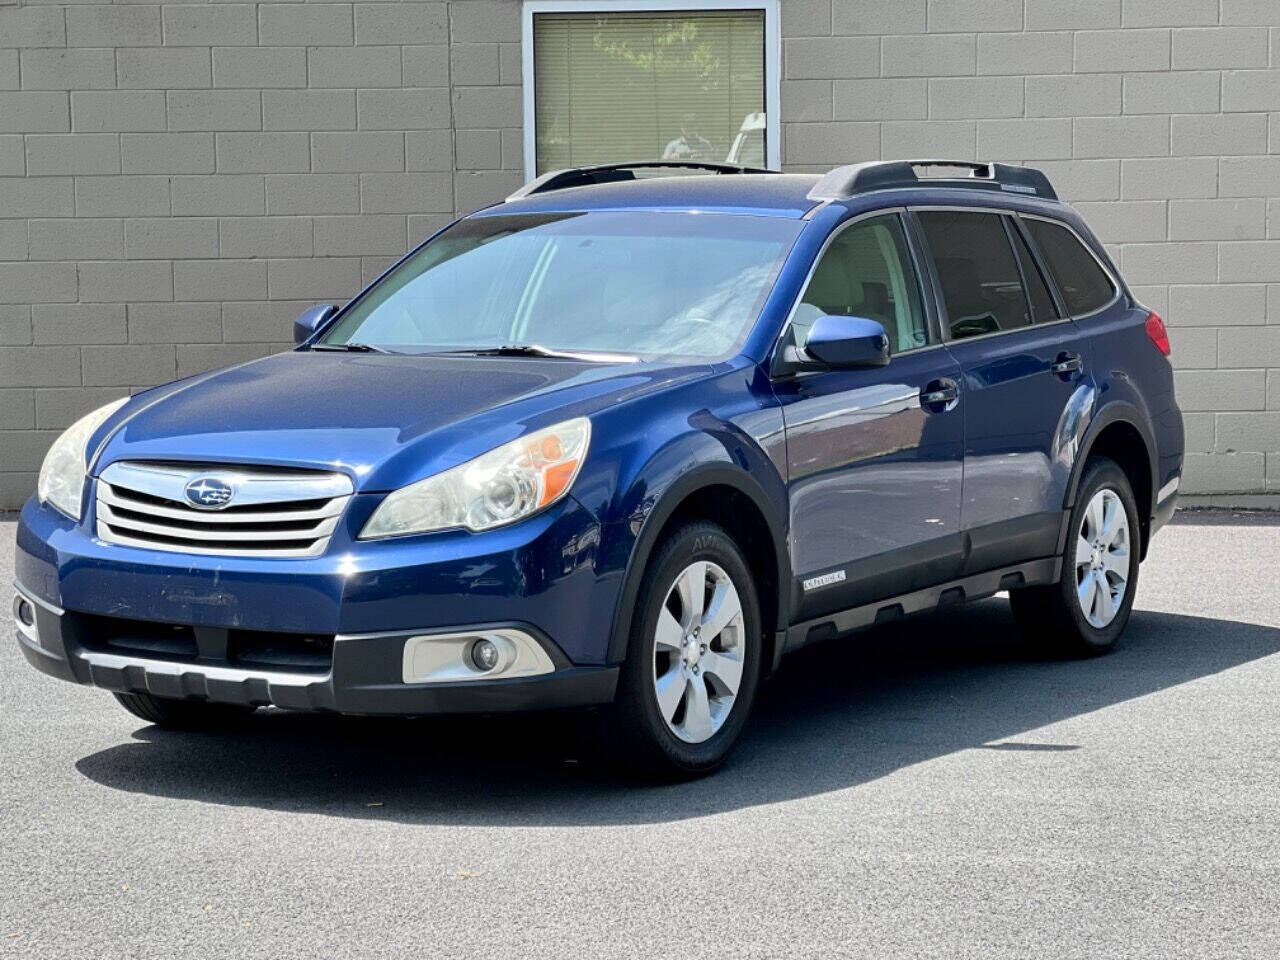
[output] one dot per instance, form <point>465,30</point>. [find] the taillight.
<point>1158,334</point>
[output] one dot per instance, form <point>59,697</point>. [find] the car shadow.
<point>837,715</point>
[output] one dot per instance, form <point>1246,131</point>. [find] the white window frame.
<point>772,59</point>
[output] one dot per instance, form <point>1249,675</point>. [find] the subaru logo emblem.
<point>209,493</point>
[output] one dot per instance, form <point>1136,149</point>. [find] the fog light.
<point>25,613</point>
<point>484,654</point>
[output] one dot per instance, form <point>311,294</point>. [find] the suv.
<point>624,441</point>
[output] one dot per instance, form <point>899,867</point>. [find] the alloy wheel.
<point>699,652</point>
<point>1102,558</point>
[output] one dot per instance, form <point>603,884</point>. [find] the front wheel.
<point>183,714</point>
<point>693,658</point>
<point>1088,608</point>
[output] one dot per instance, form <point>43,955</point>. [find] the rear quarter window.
<point>1085,286</point>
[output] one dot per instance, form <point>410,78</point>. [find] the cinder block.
<point>408,22</point>
<point>261,321</point>
<point>921,56</point>
<point>36,111</point>
<point>383,235</point>
<point>83,69</point>
<point>1249,347</point>
<point>1169,262</point>
<point>406,193</point>
<point>126,196</point>
<point>68,154</point>
<point>17,408</point>
<point>9,69</point>
<point>197,280</point>
<point>1250,90</point>
<point>1024,53</point>
<point>404,109</point>
<point>965,16</point>
<point>313,193</point>
<point>117,110</point>
<point>1198,429</point>
<point>39,366</point>
<point>971,98</point>
<point>1194,348</point>
<point>510,60</point>
<point>1220,48</point>
<point>71,239</point>
<point>1105,51</point>
<point>25,450</point>
<point>221,194</point>
<point>1181,92</point>
<point>206,24</point>
<point>15,324</point>
<point>433,150</point>
<point>15,488</point>
<point>1088,95</point>
<point>56,408</point>
<point>1098,137</point>
<point>1136,221</point>
<point>474,64</point>
<point>877,17</point>
<point>479,188</point>
<point>163,68</point>
<point>77,323</point>
<point>808,101</point>
<point>1250,261</point>
<point>13,159</point>
<point>1248,176</point>
<point>167,152</point>
<point>259,67</point>
<point>1222,473</point>
<point>37,197</point>
<point>1023,139</point>
<point>37,282</point>
<point>487,107</point>
<point>1076,15</point>
<point>363,152</point>
<point>308,110</point>
<point>175,322</point>
<point>1216,305</point>
<point>426,66</point>
<point>479,150</point>
<point>486,20</point>
<point>1225,134</point>
<point>808,18</point>
<point>263,152</point>
<point>211,110</point>
<point>1260,12</point>
<point>1250,432</point>
<point>354,67</point>
<point>1164,177</point>
<point>305,25</point>
<point>371,268</point>
<point>422,226</point>
<point>263,237</point>
<point>1169,13</point>
<point>1273,389</point>
<point>174,238</point>
<point>1217,219</point>
<point>112,25</point>
<point>125,281</point>
<point>13,240</point>
<point>134,365</point>
<point>827,144</point>
<point>199,357</point>
<point>955,139</point>
<point>27,26</point>
<point>317,279</point>
<point>1220,390</point>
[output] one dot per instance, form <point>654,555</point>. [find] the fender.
<point>1115,411</point>
<point>697,478</point>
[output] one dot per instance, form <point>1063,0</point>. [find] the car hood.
<point>384,420</point>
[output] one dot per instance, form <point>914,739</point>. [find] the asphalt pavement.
<point>924,790</point>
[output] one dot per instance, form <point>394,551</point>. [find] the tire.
<point>1054,617</point>
<point>184,714</point>
<point>670,735</point>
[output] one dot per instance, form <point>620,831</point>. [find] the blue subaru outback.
<point>624,441</point>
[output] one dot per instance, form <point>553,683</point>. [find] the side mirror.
<point>847,343</point>
<point>311,320</point>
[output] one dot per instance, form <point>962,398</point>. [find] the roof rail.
<point>616,172</point>
<point>843,182</point>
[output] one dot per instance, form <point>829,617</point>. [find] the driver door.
<point>874,472</point>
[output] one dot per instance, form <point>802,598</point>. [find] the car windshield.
<point>641,284</point>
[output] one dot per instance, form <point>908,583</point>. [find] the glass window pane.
<point>641,86</point>
<point>1085,286</point>
<point>1042,306</point>
<point>981,286</point>
<point>867,272</point>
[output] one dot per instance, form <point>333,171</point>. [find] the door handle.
<point>1066,364</point>
<point>943,393</point>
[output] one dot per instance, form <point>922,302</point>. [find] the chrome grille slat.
<point>144,505</point>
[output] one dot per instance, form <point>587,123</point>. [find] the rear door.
<point>1024,382</point>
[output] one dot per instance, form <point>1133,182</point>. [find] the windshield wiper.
<point>535,350</point>
<point>349,347</point>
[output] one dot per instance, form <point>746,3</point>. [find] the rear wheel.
<point>183,714</point>
<point>1084,613</point>
<point>693,658</point>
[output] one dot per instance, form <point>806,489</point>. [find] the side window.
<point>1084,284</point>
<point>867,272</point>
<point>981,285</point>
<point>1042,306</point>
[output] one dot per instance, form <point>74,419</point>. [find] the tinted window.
<point>1042,307</point>
<point>867,272</point>
<point>981,285</point>
<point>1085,286</point>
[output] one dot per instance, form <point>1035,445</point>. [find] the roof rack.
<point>617,172</point>
<point>843,182</point>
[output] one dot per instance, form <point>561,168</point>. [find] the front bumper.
<point>363,601</point>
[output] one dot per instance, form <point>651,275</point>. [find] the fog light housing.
<point>25,613</point>
<point>485,655</point>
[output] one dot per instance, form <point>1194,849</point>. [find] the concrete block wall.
<point>178,180</point>
<point>1158,119</point>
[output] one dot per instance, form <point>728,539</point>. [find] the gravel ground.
<point>921,790</point>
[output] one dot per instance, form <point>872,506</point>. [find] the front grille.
<point>271,513</point>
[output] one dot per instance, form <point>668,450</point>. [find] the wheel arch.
<point>1119,431</point>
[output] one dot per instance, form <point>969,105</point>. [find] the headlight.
<point>62,472</point>
<point>504,485</point>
